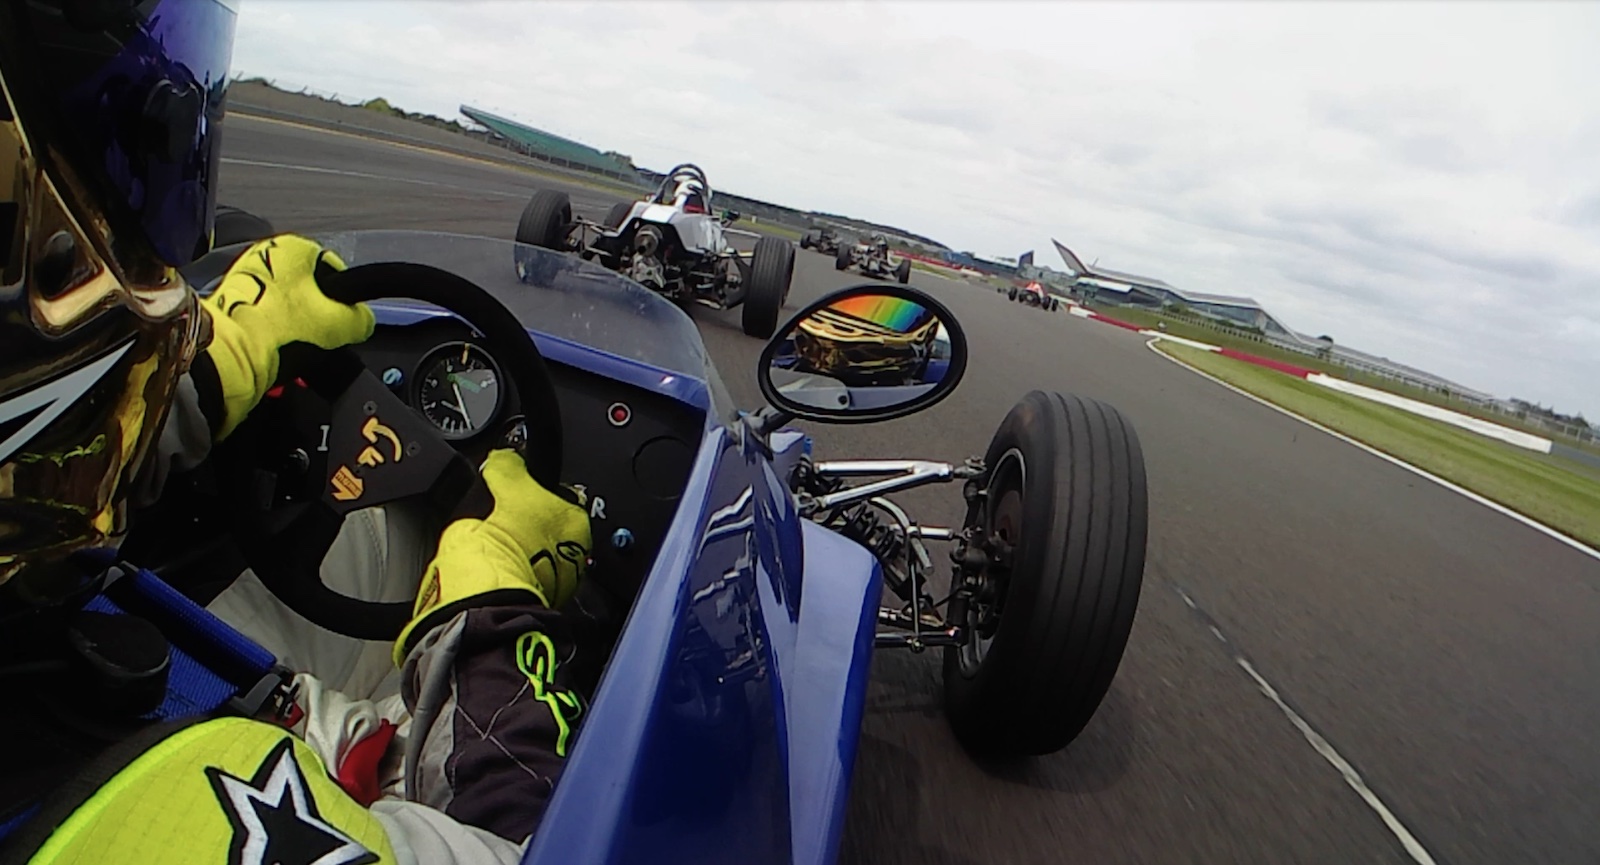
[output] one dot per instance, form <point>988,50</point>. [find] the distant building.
<point>1115,287</point>
<point>552,147</point>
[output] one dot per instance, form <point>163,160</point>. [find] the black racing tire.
<point>1066,489</point>
<point>232,225</point>
<point>902,271</point>
<point>841,258</point>
<point>771,271</point>
<point>546,221</point>
<point>809,239</point>
<point>617,213</point>
<point>1011,293</point>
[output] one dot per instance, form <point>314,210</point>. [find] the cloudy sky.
<point>1417,180</point>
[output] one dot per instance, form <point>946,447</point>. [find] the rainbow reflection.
<point>895,313</point>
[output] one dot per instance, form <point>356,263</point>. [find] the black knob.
<point>121,663</point>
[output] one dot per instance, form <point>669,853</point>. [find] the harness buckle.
<point>271,699</point>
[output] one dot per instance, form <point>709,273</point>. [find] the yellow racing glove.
<point>269,299</point>
<point>534,545</point>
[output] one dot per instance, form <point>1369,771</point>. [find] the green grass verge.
<point>1553,491</point>
<point>1223,337</point>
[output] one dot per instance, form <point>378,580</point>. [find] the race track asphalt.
<point>1448,653</point>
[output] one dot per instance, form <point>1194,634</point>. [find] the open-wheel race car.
<point>736,592</point>
<point>824,240</point>
<point>873,258</point>
<point>1033,294</point>
<point>673,243</point>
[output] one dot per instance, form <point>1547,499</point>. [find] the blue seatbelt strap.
<point>233,653</point>
<point>213,667</point>
<point>212,663</point>
<point>11,825</point>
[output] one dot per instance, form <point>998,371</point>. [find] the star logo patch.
<point>275,819</point>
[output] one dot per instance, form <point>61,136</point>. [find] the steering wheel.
<point>379,449</point>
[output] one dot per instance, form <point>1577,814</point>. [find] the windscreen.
<point>550,292</point>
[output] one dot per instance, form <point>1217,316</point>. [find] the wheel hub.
<point>999,534</point>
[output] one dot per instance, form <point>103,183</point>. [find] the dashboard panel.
<point>630,449</point>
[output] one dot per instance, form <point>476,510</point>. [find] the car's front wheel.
<point>902,271</point>
<point>617,214</point>
<point>1064,514</point>
<point>771,272</point>
<point>841,259</point>
<point>546,221</point>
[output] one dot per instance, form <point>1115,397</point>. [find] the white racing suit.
<point>450,759</point>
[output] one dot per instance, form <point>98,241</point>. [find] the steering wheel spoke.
<point>379,449</point>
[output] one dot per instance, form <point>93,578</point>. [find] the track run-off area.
<point>1334,659</point>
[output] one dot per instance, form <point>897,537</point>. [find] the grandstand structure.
<point>552,148</point>
<point>1242,313</point>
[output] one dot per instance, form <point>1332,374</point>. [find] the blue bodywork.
<point>725,727</point>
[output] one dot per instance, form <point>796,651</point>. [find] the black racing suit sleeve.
<point>496,696</point>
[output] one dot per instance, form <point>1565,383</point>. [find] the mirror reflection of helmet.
<point>108,158</point>
<point>867,341</point>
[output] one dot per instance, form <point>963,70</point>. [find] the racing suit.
<point>441,748</point>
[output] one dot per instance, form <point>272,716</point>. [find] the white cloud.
<point>1421,181</point>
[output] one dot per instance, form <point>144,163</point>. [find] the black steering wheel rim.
<point>503,337</point>
<point>286,555</point>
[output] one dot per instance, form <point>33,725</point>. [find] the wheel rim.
<point>1001,520</point>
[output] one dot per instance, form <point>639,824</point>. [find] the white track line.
<point>1322,746</point>
<point>1351,777</point>
<point>1455,488</point>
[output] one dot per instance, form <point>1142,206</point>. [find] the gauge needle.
<point>461,404</point>
<point>459,379</point>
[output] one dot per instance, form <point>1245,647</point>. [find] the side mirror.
<point>864,354</point>
<point>729,217</point>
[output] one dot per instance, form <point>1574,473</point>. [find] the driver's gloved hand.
<point>269,299</point>
<point>533,542</point>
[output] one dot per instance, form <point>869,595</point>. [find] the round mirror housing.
<point>864,354</point>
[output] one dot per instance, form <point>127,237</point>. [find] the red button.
<point>619,414</point>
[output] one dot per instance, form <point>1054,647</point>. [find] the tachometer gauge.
<point>458,389</point>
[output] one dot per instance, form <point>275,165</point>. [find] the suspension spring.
<point>864,526</point>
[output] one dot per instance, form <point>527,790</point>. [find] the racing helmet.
<point>108,165</point>
<point>692,193</point>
